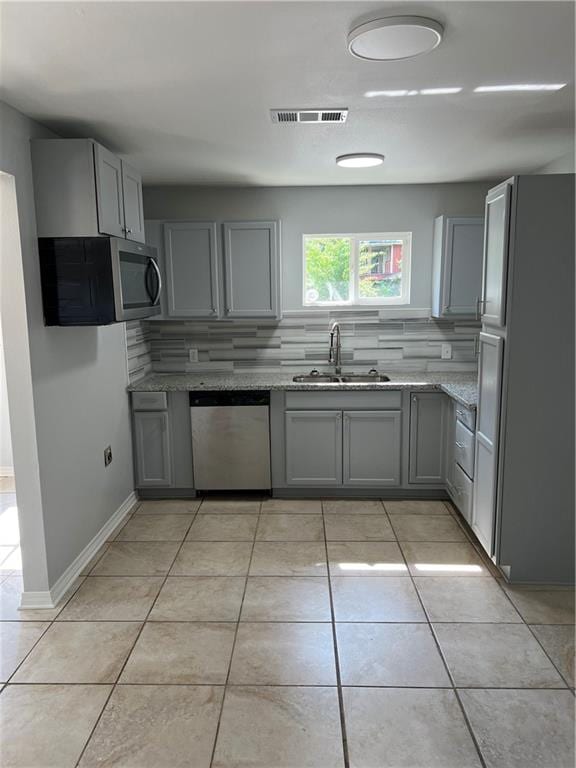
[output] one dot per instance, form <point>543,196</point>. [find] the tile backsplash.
<point>298,343</point>
<point>138,350</point>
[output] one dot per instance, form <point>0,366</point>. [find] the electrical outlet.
<point>446,351</point>
<point>193,355</point>
<point>107,455</point>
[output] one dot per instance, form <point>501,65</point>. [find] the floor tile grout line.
<point>217,732</point>
<point>132,647</point>
<point>447,668</point>
<point>52,621</point>
<point>568,683</point>
<point>300,685</point>
<point>283,621</point>
<point>345,751</point>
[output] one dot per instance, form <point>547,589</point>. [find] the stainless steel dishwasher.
<point>231,440</point>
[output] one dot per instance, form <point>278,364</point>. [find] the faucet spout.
<point>335,350</point>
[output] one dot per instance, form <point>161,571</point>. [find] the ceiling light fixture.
<point>360,160</point>
<point>521,87</point>
<point>394,38</point>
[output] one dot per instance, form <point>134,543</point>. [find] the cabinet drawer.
<point>149,401</point>
<point>464,448</point>
<point>467,416</point>
<point>463,487</point>
<point>344,400</point>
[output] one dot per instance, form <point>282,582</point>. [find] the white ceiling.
<point>182,90</point>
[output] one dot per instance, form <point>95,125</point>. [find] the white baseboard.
<point>6,471</point>
<point>51,598</point>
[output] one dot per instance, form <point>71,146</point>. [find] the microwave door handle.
<point>156,299</point>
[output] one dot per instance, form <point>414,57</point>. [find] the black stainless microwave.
<point>98,280</point>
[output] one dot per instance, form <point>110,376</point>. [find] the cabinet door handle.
<point>480,303</point>
<point>460,445</point>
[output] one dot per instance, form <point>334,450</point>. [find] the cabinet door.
<point>251,271</point>
<point>497,227</point>
<point>133,206</point>
<point>427,435</point>
<point>314,448</point>
<point>462,281</point>
<point>109,192</point>
<point>191,264</point>
<point>372,448</point>
<point>486,447</point>
<point>152,449</point>
<point>449,446</point>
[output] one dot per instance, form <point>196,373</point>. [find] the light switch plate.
<point>193,355</point>
<point>446,351</point>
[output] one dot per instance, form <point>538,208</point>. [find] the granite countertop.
<point>461,387</point>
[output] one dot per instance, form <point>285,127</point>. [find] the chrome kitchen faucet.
<point>335,351</point>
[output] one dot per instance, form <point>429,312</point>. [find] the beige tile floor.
<point>289,634</point>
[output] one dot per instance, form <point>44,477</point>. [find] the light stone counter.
<point>461,387</point>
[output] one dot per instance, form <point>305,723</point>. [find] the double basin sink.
<point>315,377</point>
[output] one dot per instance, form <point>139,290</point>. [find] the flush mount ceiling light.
<point>360,160</point>
<point>394,38</point>
<point>520,87</point>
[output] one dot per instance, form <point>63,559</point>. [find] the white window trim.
<point>355,300</point>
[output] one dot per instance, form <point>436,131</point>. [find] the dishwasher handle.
<point>233,398</point>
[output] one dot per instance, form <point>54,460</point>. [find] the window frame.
<point>355,299</point>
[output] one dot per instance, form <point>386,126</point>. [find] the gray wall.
<point>79,377</point>
<point>315,210</point>
<point>563,164</point>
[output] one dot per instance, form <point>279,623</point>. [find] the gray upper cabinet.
<point>372,448</point>
<point>191,266</point>
<point>313,448</point>
<point>133,205</point>
<point>81,189</point>
<point>457,266</point>
<point>427,435</point>
<point>251,269</point>
<point>152,449</point>
<point>496,242</point>
<point>486,440</point>
<point>109,195</point>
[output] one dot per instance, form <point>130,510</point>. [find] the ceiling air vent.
<point>310,116</point>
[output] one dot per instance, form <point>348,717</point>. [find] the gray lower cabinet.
<point>152,449</point>
<point>162,442</point>
<point>192,269</point>
<point>427,435</point>
<point>313,447</point>
<point>486,441</point>
<point>251,269</point>
<point>372,448</point>
<point>449,449</point>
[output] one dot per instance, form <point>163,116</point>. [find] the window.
<point>342,270</point>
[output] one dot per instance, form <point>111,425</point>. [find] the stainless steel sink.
<point>316,378</point>
<point>363,378</point>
